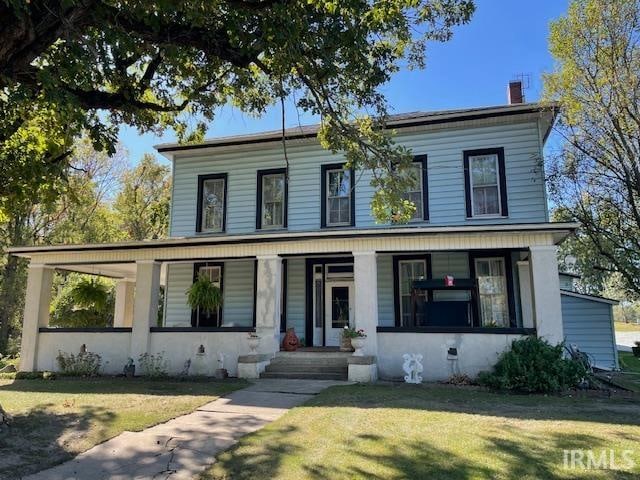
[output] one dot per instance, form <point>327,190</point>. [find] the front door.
<point>338,310</point>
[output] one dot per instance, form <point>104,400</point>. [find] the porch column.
<point>36,313</point>
<point>524,278</point>
<point>145,306</point>
<point>268,296</point>
<point>545,288</point>
<point>365,276</point>
<point>123,312</point>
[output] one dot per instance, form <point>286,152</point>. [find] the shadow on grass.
<point>476,401</point>
<point>381,457</point>
<point>264,463</point>
<point>121,385</point>
<point>42,438</point>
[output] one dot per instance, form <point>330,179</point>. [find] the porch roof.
<point>112,258</point>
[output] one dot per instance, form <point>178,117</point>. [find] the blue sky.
<point>505,38</point>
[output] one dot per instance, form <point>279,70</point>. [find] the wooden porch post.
<point>145,307</point>
<point>365,275</point>
<point>268,297</point>
<point>36,313</point>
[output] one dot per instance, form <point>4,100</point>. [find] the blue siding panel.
<point>295,295</point>
<point>589,325</point>
<point>444,148</point>
<point>237,293</point>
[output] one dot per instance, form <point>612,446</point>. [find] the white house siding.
<point>588,323</point>
<point>476,352</point>
<point>113,347</point>
<point>524,176</point>
<point>237,290</point>
<point>296,295</point>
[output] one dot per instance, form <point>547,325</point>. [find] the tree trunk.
<point>11,285</point>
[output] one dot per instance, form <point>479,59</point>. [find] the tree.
<point>143,201</point>
<point>95,64</point>
<point>71,208</point>
<point>595,179</point>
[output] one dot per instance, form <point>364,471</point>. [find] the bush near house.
<point>534,365</point>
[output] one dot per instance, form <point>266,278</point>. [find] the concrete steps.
<point>308,365</point>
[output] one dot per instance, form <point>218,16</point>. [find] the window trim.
<point>201,180</point>
<point>324,169</point>
<point>260,176</point>
<point>196,271</point>
<point>502,183</point>
<point>422,160</point>
<point>396,281</point>
<point>508,271</point>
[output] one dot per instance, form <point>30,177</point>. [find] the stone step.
<point>302,354</point>
<point>307,368</point>
<point>328,362</point>
<point>304,375</point>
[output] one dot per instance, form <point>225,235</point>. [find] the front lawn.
<point>627,327</point>
<point>436,432</point>
<point>53,420</point>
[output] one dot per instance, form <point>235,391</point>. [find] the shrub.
<point>153,365</point>
<point>533,365</point>
<point>83,364</point>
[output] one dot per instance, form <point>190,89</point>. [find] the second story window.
<point>485,184</point>
<point>212,200</point>
<point>338,201</point>
<point>272,199</point>
<point>418,194</point>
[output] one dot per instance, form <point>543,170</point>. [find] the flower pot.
<point>358,343</point>
<point>253,345</point>
<point>636,351</point>
<point>345,344</point>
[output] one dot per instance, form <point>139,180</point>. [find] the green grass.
<point>628,362</point>
<point>627,327</point>
<point>434,432</point>
<point>56,419</point>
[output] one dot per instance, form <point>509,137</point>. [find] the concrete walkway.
<point>626,340</point>
<point>183,447</point>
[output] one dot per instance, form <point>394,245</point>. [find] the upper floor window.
<point>212,200</point>
<point>485,183</point>
<point>272,199</point>
<point>418,194</point>
<point>338,199</point>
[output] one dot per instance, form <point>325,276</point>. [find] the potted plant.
<point>357,338</point>
<point>636,349</point>
<point>203,296</point>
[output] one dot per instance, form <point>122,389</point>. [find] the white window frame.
<point>328,197</point>
<point>203,227</point>
<point>400,294</point>
<point>506,288</point>
<point>471,186</point>
<point>263,226</point>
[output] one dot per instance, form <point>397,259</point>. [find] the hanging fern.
<point>204,296</point>
<point>91,293</point>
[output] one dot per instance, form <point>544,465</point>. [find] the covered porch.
<point>390,283</point>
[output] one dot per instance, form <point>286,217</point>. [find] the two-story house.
<point>296,246</point>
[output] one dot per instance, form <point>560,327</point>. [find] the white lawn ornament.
<point>412,367</point>
<point>221,360</point>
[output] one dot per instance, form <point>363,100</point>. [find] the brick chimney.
<point>514,92</point>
